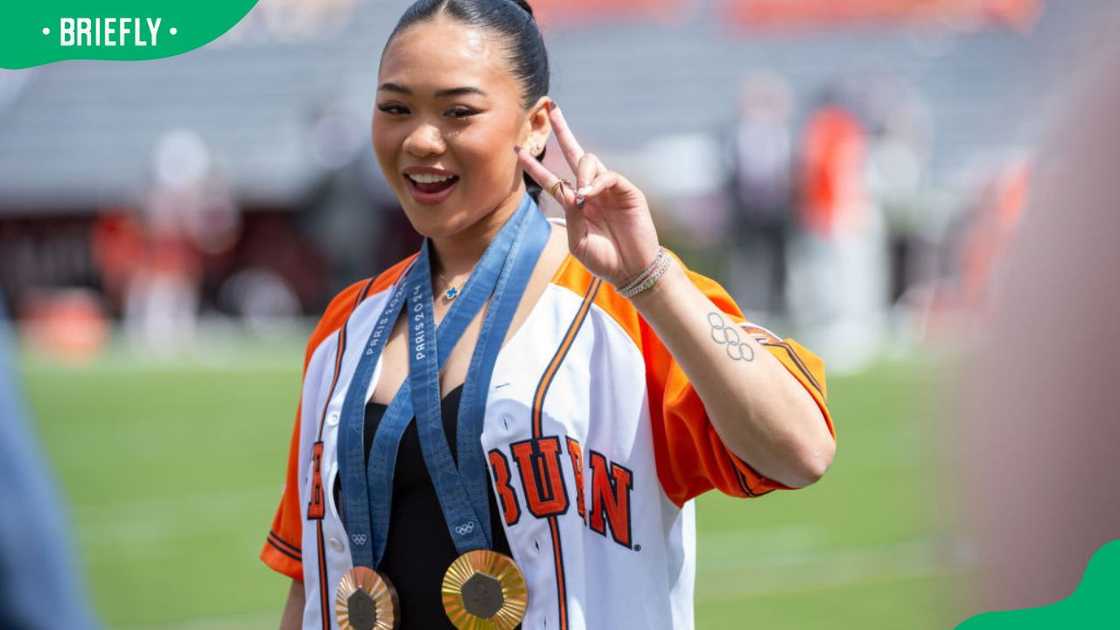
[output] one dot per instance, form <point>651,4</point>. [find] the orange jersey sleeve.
<point>691,457</point>
<point>281,549</point>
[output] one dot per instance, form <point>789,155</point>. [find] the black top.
<point>420,548</point>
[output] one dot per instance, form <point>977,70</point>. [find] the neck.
<point>456,255</point>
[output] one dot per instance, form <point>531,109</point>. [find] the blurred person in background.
<point>759,157</point>
<point>39,587</point>
<point>188,210</point>
<point>1036,446</point>
<point>990,226</point>
<point>838,292</point>
<point>900,135</point>
<point>659,388</point>
<point>833,153</point>
<point>975,241</point>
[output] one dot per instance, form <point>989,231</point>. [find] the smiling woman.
<point>524,449</point>
<point>454,98</point>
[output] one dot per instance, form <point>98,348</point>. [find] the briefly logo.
<point>34,33</point>
<point>109,32</point>
<point>358,539</point>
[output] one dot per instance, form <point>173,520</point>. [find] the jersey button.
<point>335,544</point>
<point>332,418</point>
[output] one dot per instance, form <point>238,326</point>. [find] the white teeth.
<point>424,178</point>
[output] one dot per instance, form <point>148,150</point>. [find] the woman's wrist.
<point>645,278</point>
<point>661,291</point>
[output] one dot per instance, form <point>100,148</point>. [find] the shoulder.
<point>597,295</point>
<point>345,301</point>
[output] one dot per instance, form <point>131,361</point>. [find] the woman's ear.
<point>539,126</point>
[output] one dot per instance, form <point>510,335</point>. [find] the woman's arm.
<point>292,619</point>
<point>760,411</point>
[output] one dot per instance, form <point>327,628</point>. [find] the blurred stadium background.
<point>169,230</point>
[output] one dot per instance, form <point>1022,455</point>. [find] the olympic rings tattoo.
<point>728,336</point>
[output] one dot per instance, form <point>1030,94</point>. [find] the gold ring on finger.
<point>555,188</point>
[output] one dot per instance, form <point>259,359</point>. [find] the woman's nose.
<point>423,141</point>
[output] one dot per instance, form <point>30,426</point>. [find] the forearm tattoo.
<point>728,335</point>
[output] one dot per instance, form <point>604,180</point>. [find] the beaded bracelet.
<point>648,276</point>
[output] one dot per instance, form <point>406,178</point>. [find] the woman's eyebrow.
<point>456,91</point>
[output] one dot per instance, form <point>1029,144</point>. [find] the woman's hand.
<point>610,229</point>
<point>760,411</point>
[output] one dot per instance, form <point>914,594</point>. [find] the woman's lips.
<point>431,194</point>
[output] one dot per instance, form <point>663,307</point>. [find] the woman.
<point>602,387</point>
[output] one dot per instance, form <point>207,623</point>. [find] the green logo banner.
<point>1092,605</point>
<point>35,32</point>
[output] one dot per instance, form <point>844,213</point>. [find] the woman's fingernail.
<point>584,190</point>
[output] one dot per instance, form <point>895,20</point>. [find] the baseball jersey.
<point>603,526</point>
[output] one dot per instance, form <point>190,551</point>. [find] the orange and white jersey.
<point>603,529</point>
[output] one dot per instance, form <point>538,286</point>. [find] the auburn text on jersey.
<point>539,463</point>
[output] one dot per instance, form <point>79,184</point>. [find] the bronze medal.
<point>366,600</point>
<point>485,590</point>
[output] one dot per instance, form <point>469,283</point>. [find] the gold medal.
<point>366,600</point>
<point>485,590</point>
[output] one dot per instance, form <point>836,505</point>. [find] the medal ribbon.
<point>462,489</point>
<point>367,489</point>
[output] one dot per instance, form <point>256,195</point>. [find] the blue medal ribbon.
<point>500,275</point>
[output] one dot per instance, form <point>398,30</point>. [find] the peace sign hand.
<point>610,229</point>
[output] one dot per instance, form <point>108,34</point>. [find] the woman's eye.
<point>461,112</point>
<point>392,109</point>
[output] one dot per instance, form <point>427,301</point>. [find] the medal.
<point>485,590</point>
<point>366,601</point>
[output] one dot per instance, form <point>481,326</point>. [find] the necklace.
<point>452,291</point>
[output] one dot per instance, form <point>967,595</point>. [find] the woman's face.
<point>448,105</point>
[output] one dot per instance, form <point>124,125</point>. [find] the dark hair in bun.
<point>524,5</point>
<point>513,19</point>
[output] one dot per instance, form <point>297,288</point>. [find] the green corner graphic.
<point>35,32</point>
<point>1089,606</point>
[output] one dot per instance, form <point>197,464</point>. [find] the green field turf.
<point>173,471</point>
